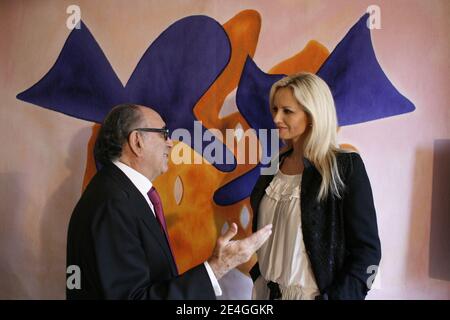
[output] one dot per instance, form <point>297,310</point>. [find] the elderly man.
<point>117,233</point>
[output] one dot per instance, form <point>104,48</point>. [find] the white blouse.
<point>283,257</point>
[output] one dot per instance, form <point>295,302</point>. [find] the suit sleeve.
<point>363,249</point>
<point>123,266</point>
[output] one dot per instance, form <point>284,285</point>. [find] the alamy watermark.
<point>374,20</point>
<point>74,20</point>
<point>251,147</point>
<point>74,277</point>
<point>374,280</point>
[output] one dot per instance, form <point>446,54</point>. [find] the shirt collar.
<point>141,182</point>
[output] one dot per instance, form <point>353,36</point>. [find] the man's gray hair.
<point>114,132</point>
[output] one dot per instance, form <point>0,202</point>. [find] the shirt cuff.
<point>214,282</point>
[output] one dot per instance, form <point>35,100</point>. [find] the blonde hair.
<point>320,146</point>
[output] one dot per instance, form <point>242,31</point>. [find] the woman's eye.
<point>287,111</point>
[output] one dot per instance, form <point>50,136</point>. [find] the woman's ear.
<point>309,119</point>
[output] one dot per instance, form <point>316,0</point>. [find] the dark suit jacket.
<point>120,248</point>
<point>340,235</point>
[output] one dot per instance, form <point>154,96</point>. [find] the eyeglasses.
<point>164,130</point>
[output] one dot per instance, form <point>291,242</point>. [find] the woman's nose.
<point>277,117</point>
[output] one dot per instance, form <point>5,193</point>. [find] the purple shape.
<point>252,96</point>
<point>361,90</point>
<point>252,99</point>
<point>237,189</point>
<point>172,75</point>
<point>179,67</point>
<point>81,83</point>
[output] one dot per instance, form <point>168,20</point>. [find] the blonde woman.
<point>325,241</point>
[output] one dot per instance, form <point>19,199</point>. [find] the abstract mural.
<point>187,74</point>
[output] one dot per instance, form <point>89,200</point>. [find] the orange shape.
<point>310,59</point>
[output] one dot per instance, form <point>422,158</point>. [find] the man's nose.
<point>169,142</point>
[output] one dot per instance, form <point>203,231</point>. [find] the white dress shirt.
<point>143,184</point>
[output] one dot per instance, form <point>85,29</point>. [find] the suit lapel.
<point>147,215</point>
<point>257,195</point>
<point>313,217</point>
<point>152,224</point>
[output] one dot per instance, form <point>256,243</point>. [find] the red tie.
<point>156,201</point>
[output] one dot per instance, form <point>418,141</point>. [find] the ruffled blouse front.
<point>283,257</point>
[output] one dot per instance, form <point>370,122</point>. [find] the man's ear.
<point>135,143</point>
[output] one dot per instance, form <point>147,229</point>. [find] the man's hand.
<point>228,253</point>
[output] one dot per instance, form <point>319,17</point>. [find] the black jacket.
<point>121,249</point>
<point>340,235</point>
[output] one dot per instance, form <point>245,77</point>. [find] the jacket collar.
<point>306,162</point>
<point>141,182</point>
